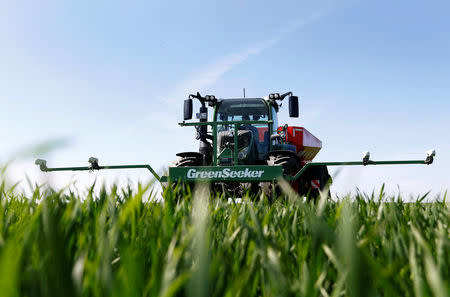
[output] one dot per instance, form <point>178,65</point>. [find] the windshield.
<point>242,110</point>
<point>246,110</point>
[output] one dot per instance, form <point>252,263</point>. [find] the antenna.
<point>244,92</point>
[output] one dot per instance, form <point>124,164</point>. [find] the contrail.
<point>210,74</point>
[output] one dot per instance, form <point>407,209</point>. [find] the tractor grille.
<point>244,139</point>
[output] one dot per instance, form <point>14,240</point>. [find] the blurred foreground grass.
<point>114,244</point>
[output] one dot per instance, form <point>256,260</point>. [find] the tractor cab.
<point>243,131</point>
<point>253,116</point>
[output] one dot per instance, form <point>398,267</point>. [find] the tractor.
<point>244,148</point>
<point>246,132</point>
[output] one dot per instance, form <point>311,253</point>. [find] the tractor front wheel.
<point>190,159</point>
<point>290,164</point>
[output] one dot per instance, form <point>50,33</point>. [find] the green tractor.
<point>245,136</point>
<point>244,148</point>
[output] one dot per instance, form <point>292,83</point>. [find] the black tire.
<point>291,165</point>
<point>187,160</point>
<point>313,175</point>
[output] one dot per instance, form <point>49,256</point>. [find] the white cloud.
<point>210,74</point>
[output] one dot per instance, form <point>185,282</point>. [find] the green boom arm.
<point>428,161</point>
<point>94,166</point>
<point>366,161</point>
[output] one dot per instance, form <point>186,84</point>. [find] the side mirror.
<point>293,107</point>
<point>187,109</point>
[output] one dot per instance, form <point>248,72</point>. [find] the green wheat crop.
<point>115,244</point>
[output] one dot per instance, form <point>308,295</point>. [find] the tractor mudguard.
<point>189,154</point>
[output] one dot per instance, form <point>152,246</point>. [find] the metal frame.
<point>356,163</point>
<point>271,173</point>
<point>43,166</point>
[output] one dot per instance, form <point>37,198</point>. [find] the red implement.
<point>308,146</point>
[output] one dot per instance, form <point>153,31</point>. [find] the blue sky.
<point>110,78</point>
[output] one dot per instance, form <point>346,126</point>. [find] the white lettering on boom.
<point>224,173</point>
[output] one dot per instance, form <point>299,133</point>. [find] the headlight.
<point>243,153</point>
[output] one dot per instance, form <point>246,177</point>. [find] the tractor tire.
<point>290,164</point>
<point>187,160</point>
<point>315,180</point>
